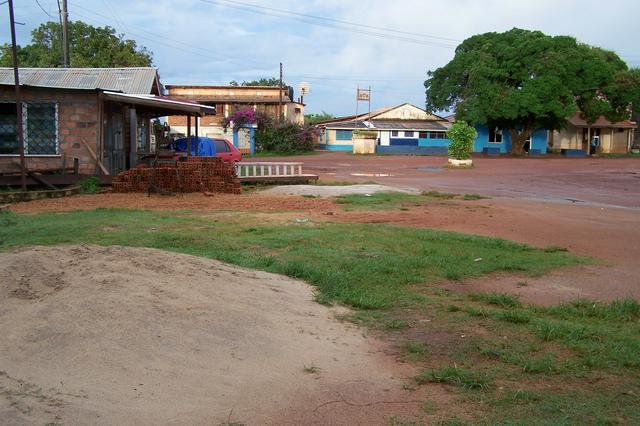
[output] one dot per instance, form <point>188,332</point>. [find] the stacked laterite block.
<point>210,174</point>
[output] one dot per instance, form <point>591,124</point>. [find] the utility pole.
<point>280,105</point>
<point>16,80</point>
<point>65,34</point>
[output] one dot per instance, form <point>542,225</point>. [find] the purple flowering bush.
<point>272,136</point>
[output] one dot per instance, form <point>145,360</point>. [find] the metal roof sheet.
<point>417,125</point>
<point>126,80</point>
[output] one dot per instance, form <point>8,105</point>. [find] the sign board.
<point>364,95</point>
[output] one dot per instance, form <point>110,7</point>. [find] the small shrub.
<point>89,185</point>
<point>462,136</point>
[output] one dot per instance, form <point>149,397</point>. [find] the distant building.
<point>227,100</point>
<point>402,129</point>
<point>407,129</point>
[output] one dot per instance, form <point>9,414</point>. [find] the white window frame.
<point>496,131</point>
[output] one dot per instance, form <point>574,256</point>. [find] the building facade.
<point>407,129</point>
<point>229,99</point>
<point>96,119</point>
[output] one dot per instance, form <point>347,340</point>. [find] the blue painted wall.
<point>252,139</point>
<point>538,140</point>
<point>434,142</point>
<point>403,142</point>
<point>482,140</point>
<point>344,135</point>
<point>411,149</point>
<point>339,148</point>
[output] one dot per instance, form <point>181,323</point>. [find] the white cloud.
<point>198,42</point>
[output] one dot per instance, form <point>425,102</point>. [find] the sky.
<point>334,45</point>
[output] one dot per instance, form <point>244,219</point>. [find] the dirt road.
<point>606,181</point>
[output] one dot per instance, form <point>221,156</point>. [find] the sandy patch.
<point>114,335</point>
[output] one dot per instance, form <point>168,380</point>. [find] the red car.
<point>226,150</point>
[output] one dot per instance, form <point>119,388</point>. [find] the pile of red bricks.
<point>196,174</point>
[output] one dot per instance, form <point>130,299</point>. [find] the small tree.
<point>462,136</point>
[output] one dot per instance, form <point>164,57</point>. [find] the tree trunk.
<point>517,141</point>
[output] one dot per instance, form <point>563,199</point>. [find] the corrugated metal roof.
<point>239,99</point>
<point>577,120</point>
<point>416,125</point>
<point>139,81</point>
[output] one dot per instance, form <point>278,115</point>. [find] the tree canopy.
<point>89,47</point>
<point>272,81</point>
<point>525,80</point>
<point>317,118</point>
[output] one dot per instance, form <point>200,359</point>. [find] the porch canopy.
<point>159,106</point>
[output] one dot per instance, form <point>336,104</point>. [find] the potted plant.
<point>462,136</point>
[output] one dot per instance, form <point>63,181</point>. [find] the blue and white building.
<point>407,129</point>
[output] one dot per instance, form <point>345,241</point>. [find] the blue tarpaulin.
<point>206,147</point>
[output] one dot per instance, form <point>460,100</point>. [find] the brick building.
<point>99,118</point>
<point>228,99</point>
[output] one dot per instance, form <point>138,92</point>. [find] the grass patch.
<point>455,376</point>
<point>329,256</point>
<point>263,154</point>
<point>471,197</point>
<point>584,354</point>
<point>415,348</point>
<point>380,200</point>
<point>439,195</point>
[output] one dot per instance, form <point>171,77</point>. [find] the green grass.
<point>380,200</point>
<point>506,362</point>
<point>264,154</point>
<point>456,376</point>
<point>393,200</point>
<point>365,266</point>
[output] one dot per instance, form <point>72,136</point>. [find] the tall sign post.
<point>363,95</point>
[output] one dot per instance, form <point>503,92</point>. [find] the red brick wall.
<point>77,121</point>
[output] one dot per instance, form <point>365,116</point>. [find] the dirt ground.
<point>609,234</point>
<point>104,336</point>
<point>161,350</point>
<point>604,181</point>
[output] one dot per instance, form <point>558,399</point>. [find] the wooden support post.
<point>196,119</point>
<point>188,135</point>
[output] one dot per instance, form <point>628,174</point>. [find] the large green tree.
<point>89,47</point>
<point>525,80</point>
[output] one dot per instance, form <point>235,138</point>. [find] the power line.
<point>326,19</point>
<point>262,10</point>
<point>164,41</point>
<point>42,8</point>
<point>191,49</point>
